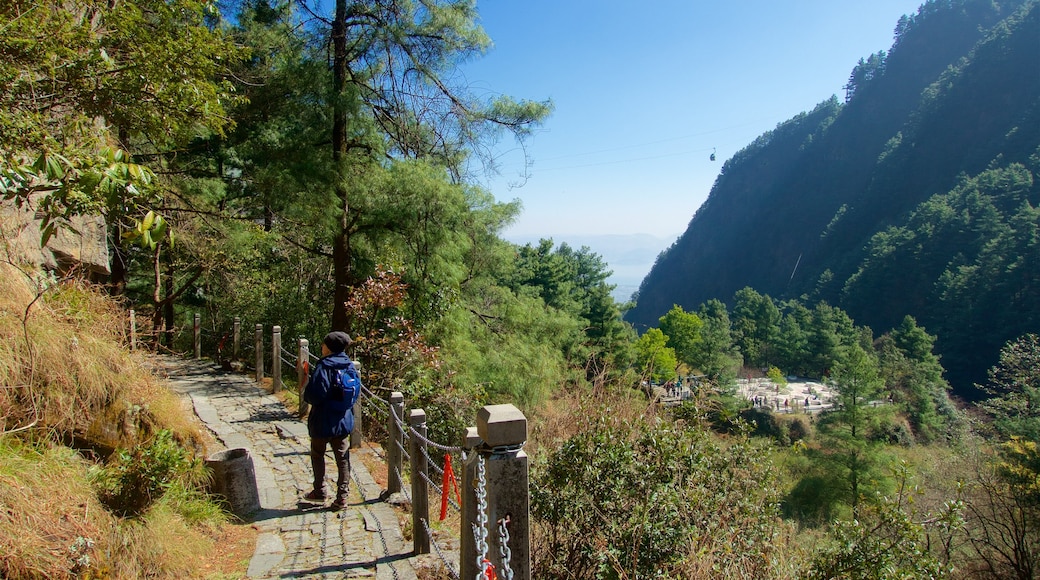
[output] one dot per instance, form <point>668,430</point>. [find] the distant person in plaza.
<point>332,390</point>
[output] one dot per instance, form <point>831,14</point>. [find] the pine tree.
<point>849,442</point>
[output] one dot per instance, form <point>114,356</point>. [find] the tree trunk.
<point>168,313</point>
<point>342,263</point>
<point>117,264</point>
<point>341,246</point>
<point>156,298</point>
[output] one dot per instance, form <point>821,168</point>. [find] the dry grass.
<point>65,370</point>
<point>58,529</point>
<point>40,524</point>
<point>569,412</point>
<point>143,548</point>
<point>66,378</point>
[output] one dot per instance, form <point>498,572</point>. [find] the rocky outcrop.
<point>81,245</point>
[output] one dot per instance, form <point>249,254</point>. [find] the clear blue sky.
<point>645,92</point>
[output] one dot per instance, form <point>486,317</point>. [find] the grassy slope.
<point>70,394</point>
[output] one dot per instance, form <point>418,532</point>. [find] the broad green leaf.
<point>47,232</point>
<point>159,231</point>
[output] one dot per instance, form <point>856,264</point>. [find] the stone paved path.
<point>297,539</point>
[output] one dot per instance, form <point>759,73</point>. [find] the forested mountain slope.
<point>917,195</point>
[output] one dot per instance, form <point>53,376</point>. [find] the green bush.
<point>890,539</point>
<point>134,480</point>
<point>649,500</point>
<point>798,429</point>
<point>783,429</point>
<point>813,501</point>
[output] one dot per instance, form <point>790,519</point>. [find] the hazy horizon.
<point>629,256</point>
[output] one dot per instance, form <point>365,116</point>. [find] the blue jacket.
<point>328,417</point>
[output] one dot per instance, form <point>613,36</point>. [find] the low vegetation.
<point>246,170</point>
<point>99,464</point>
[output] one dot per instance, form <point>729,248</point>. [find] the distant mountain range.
<point>916,193</point>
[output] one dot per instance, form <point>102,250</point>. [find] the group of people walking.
<point>777,402</point>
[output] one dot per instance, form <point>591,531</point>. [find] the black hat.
<point>337,341</point>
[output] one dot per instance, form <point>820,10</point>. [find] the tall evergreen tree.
<point>913,377</point>
<point>715,354</point>
<point>683,330</point>
<point>1014,387</point>
<point>391,63</point>
<point>756,325</point>
<point>656,359</point>
<point>849,433</point>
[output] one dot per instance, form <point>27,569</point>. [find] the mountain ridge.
<point>796,213</point>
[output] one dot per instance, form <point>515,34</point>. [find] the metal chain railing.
<point>404,490</point>
<point>480,530</point>
<point>292,357</point>
<point>504,553</point>
<point>407,435</point>
<point>436,548</point>
<point>383,408</point>
<point>379,526</point>
<point>433,464</point>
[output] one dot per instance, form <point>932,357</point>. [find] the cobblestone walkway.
<point>297,539</point>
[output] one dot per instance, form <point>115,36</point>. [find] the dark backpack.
<point>344,386</point>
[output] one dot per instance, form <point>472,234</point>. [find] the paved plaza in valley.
<point>797,396</point>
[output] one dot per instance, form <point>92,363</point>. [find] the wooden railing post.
<point>357,436</point>
<point>259,353</point>
<point>502,430</point>
<point>303,365</point>
<point>394,458</point>
<point>133,330</point>
<point>276,359</point>
<point>198,336</point>
<point>236,331</point>
<point>420,491</point>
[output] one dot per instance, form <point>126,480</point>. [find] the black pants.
<point>341,451</point>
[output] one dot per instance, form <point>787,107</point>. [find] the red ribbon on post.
<point>449,477</point>
<point>489,570</point>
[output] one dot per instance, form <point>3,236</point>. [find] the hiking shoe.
<point>339,504</point>
<point>315,495</point>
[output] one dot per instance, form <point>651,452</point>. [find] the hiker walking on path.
<point>363,540</point>
<point>332,390</point>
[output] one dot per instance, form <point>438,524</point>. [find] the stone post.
<point>234,478</point>
<point>133,330</point>
<point>395,444</point>
<point>237,332</point>
<point>259,353</point>
<point>502,432</point>
<point>467,547</point>
<point>420,491</point>
<point>276,359</point>
<point>303,365</point>
<point>356,436</point>
<point>198,335</point>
